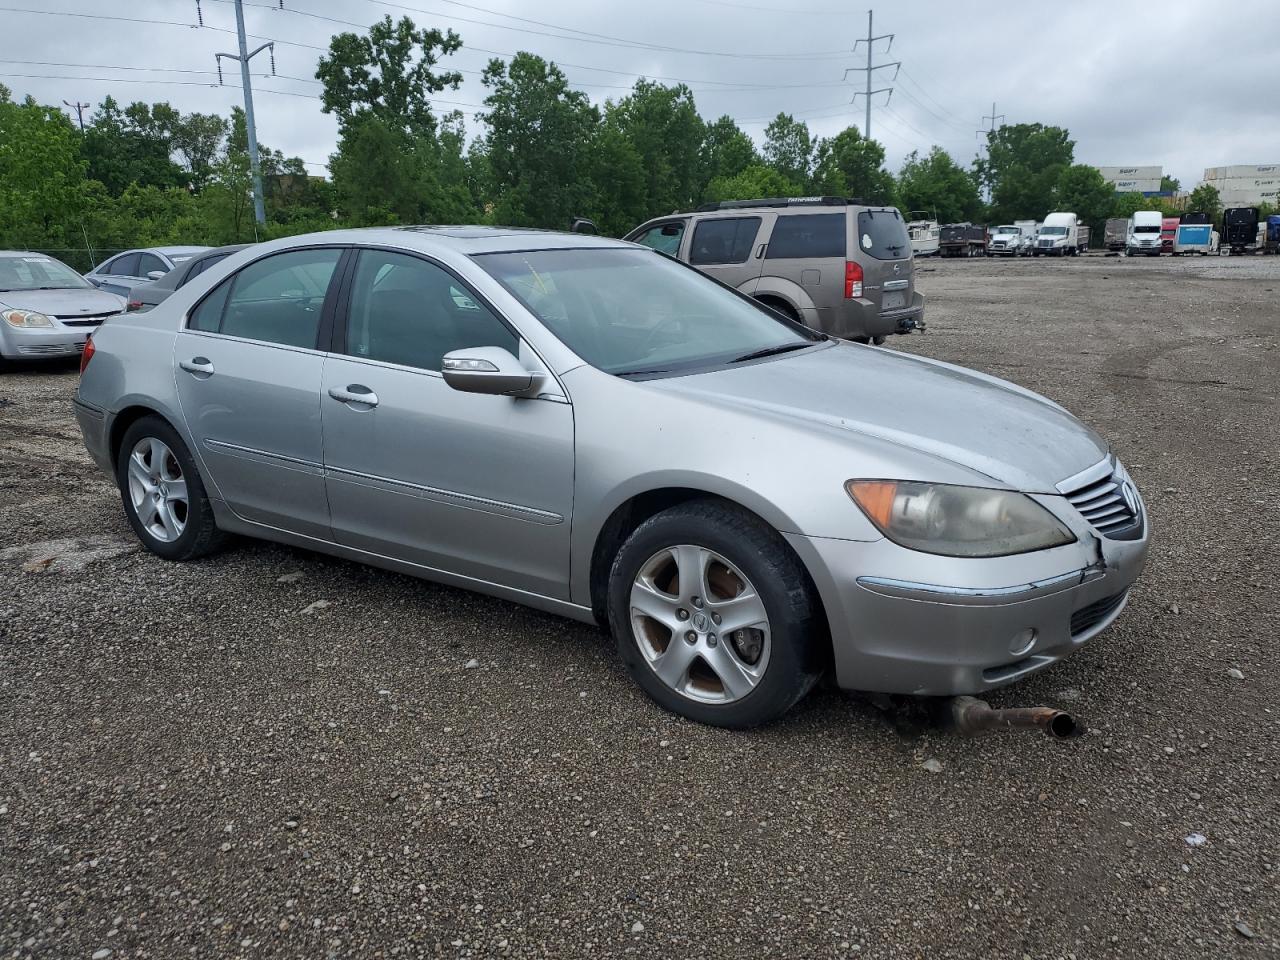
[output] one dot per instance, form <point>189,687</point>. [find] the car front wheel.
<point>714,616</point>
<point>162,492</point>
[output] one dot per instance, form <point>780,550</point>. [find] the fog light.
<point>1022,641</point>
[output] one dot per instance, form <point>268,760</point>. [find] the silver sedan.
<point>47,310</point>
<point>591,428</point>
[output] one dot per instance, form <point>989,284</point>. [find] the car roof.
<point>168,251</point>
<point>464,239</point>
<point>27,253</point>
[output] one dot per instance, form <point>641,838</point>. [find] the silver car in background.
<point>146,296</point>
<point>47,310</point>
<point>126,270</point>
<point>590,428</point>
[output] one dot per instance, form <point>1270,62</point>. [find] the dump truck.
<point>963,240</point>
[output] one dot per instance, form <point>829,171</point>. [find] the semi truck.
<point>1009,240</point>
<point>1144,234</point>
<point>1168,233</point>
<point>1272,242</point>
<point>963,240</point>
<point>1059,236</point>
<point>1195,238</point>
<point>1239,229</point>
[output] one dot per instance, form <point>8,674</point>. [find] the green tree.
<point>726,150</point>
<point>42,183</point>
<point>849,165</point>
<point>620,182</point>
<point>1082,191</point>
<point>788,147</point>
<point>752,183</point>
<point>124,146</point>
<point>541,134</point>
<point>664,129</point>
<point>388,73</point>
<point>1022,168</point>
<point>937,185</point>
<point>1206,199</point>
<point>197,139</point>
<point>1170,184</point>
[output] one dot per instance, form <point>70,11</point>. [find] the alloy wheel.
<point>158,490</point>
<point>700,624</point>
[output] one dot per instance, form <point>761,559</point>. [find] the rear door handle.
<point>356,393</point>
<point>200,366</point>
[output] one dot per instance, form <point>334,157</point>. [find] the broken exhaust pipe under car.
<point>971,716</point>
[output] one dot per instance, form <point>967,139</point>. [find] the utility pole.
<point>245,55</point>
<point>870,40</point>
<point>79,108</point>
<point>991,118</point>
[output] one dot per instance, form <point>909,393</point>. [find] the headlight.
<point>26,318</point>
<point>957,521</point>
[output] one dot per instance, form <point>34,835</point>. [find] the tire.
<point>152,473</point>
<point>735,548</point>
<point>778,306</point>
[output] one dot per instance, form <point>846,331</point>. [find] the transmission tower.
<point>870,40</point>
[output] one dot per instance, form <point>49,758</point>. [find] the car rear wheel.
<point>713,615</point>
<point>162,493</point>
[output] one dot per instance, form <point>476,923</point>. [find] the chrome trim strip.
<point>515,510</point>
<point>978,596</point>
<point>896,284</point>
<point>1090,475</point>
<point>234,448</point>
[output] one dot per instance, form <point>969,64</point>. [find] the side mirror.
<point>582,225</point>
<point>491,370</point>
<point>155,274</point>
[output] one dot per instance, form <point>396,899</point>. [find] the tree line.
<point>147,174</point>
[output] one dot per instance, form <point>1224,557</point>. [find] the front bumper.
<point>912,623</point>
<point>41,342</point>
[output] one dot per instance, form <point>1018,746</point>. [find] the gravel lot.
<point>195,761</point>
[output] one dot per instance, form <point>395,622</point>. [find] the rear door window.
<point>724,240</point>
<point>125,265</point>
<point>807,236</point>
<point>883,235</point>
<point>278,299</point>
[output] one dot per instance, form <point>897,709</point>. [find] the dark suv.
<point>836,265</point>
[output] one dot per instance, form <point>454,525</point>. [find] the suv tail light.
<point>87,354</point>
<point>852,280</point>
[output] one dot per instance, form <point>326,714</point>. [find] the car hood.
<point>68,304</point>
<point>979,422</point>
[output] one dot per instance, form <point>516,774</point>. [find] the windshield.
<point>634,312</point>
<point>1053,231</point>
<point>38,273</point>
<point>1147,228</point>
<point>1007,230</point>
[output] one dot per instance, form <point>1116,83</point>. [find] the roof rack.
<point>780,202</point>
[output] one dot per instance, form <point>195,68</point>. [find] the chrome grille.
<point>1099,494</point>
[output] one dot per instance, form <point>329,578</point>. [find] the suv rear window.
<point>883,235</point>
<point>807,236</point>
<point>724,240</point>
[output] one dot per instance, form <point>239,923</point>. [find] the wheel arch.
<point>638,508</point>
<point>126,417</point>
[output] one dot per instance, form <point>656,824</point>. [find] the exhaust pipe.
<point>971,716</point>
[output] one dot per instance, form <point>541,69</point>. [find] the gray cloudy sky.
<point>1176,83</point>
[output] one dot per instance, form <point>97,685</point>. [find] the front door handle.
<point>356,393</point>
<point>200,366</point>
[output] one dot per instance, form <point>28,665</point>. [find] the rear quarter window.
<point>807,236</point>
<point>883,235</point>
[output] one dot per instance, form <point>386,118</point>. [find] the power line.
<point>870,41</point>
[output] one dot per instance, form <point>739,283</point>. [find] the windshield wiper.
<point>770,351</point>
<point>640,373</point>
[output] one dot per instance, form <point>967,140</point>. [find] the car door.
<point>809,249</point>
<point>883,249</point>
<point>248,375</point>
<point>476,485</point>
<point>731,249</point>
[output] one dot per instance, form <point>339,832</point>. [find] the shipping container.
<point>1135,186</point>
<point>1243,170</point>
<point>1249,198</point>
<point>1245,183</point>
<point>1131,173</point>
